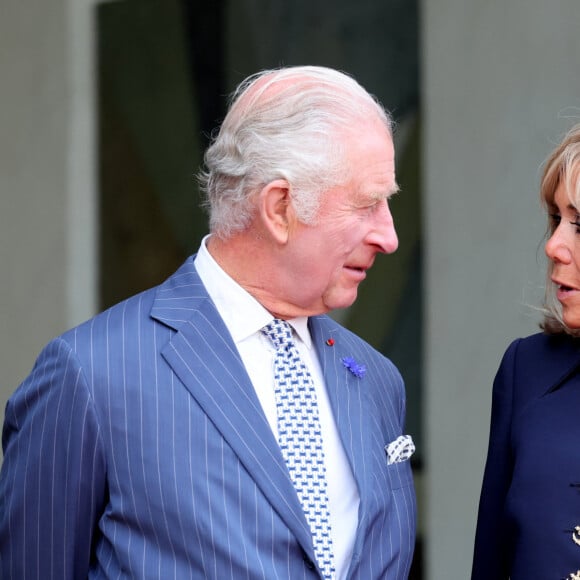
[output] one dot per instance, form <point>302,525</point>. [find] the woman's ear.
<point>275,209</point>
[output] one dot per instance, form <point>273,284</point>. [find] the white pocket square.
<point>400,449</point>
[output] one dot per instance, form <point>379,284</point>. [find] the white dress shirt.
<point>244,317</point>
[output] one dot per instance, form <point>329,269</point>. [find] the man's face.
<point>327,261</point>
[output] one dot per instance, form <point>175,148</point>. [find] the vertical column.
<point>82,183</point>
<point>47,183</point>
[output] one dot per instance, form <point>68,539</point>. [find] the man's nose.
<point>383,235</point>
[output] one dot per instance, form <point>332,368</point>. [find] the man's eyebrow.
<point>390,193</point>
<point>394,190</point>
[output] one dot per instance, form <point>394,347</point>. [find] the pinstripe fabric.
<point>137,448</point>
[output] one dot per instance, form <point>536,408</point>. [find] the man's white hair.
<point>293,123</point>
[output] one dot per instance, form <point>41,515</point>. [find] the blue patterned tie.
<point>300,439</point>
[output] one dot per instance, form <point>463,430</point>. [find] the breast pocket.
<point>400,474</point>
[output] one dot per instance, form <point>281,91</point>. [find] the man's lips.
<point>360,265</point>
<point>358,272</point>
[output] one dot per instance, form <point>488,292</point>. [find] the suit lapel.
<point>349,402</point>
<point>206,360</point>
<point>564,357</point>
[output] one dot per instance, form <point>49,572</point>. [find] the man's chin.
<point>340,301</point>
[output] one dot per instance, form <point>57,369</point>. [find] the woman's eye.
<point>576,223</point>
<point>555,220</point>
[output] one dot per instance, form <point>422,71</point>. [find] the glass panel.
<point>165,68</point>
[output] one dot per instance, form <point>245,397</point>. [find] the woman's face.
<point>563,249</point>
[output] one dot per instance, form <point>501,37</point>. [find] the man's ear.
<point>276,210</point>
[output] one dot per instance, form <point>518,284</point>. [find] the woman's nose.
<point>557,249</point>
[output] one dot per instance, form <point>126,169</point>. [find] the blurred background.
<point>106,108</point>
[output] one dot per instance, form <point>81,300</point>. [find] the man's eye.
<point>375,205</point>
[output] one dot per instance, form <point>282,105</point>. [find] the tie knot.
<point>279,332</point>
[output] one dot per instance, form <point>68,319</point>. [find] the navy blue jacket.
<point>530,498</point>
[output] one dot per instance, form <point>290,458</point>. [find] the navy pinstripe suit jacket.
<point>137,448</point>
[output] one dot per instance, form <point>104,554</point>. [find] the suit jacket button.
<point>309,563</point>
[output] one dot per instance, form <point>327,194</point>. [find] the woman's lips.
<point>564,291</point>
